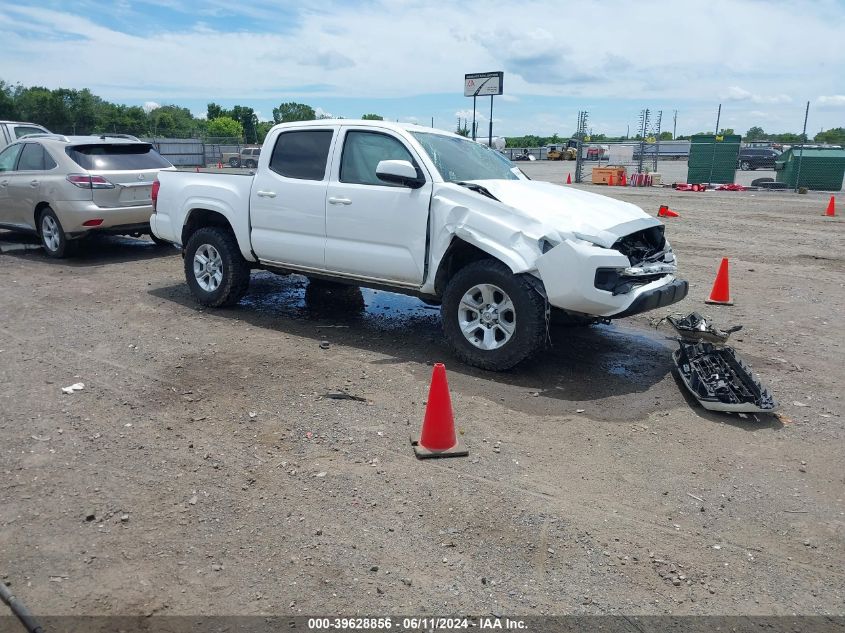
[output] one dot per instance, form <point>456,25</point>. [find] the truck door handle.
<point>340,201</point>
<point>34,183</point>
<point>265,194</point>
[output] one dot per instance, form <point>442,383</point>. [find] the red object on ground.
<point>568,179</point>
<point>831,208</point>
<point>666,212</point>
<point>624,182</point>
<point>219,165</point>
<point>682,186</point>
<point>610,180</point>
<point>721,292</point>
<point>438,438</point>
<point>731,187</point>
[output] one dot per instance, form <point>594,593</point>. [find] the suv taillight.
<point>89,182</point>
<point>154,193</point>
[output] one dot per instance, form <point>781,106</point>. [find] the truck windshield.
<point>460,159</point>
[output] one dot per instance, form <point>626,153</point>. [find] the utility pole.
<point>675,125</point>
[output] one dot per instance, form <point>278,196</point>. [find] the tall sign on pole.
<point>483,84</point>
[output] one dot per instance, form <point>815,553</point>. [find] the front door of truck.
<point>288,198</point>
<point>375,229</point>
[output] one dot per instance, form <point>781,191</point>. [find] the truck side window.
<point>302,154</point>
<point>362,152</point>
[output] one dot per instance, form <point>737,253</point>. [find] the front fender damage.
<point>486,224</point>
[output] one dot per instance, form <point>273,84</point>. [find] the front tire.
<point>492,318</point>
<point>216,272</point>
<point>234,162</point>
<point>52,235</point>
<point>745,165</point>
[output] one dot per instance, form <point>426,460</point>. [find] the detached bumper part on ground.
<point>711,370</point>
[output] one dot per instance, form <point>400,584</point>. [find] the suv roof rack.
<point>58,137</point>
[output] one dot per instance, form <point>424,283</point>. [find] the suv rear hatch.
<point>126,171</point>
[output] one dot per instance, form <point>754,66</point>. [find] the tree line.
<point>834,136</point>
<point>70,111</point>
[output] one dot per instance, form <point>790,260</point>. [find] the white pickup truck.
<point>423,212</point>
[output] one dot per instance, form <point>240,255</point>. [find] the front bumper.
<point>73,215</point>
<point>656,298</point>
<point>568,272</point>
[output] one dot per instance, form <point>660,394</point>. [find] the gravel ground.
<point>204,470</point>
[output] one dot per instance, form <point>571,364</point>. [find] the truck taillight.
<point>83,181</point>
<point>154,193</point>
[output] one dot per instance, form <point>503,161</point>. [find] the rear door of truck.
<point>288,198</point>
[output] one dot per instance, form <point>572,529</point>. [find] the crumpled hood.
<point>599,219</point>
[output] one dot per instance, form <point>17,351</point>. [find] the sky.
<point>406,59</point>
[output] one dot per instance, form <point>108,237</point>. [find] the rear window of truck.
<point>302,154</point>
<point>124,156</point>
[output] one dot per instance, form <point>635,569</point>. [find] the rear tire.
<point>215,270</point>
<point>492,318</point>
<point>251,164</point>
<point>52,235</point>
<point>234,162</point>
<point>745,165</point>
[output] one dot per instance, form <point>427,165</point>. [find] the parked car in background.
<point>247,157</point>
<point>422,212</point>
<point>11,131</point>
<point>65,187</point>
<point>751,158</point>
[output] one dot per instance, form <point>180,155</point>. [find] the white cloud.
<point>735,93</point>
<point>832,100</point>
<point>318,49</point>
<point>149,106</point>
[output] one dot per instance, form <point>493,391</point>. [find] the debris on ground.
<point>343,395</point>
<point>696,328</point>
<point>77,386</point>
<point>719,380</point>
<point>711,370</point>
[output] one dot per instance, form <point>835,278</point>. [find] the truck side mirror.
<point>400,172</point>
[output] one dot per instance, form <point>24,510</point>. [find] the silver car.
<point>65,187</point>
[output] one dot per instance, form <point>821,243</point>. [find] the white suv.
<point>11,131</point>
<point>65,187</point>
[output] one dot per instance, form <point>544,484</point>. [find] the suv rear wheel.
<point>53,235</point>
<point>745,165</point>
<point>492,318</point>
<point>216,272</point>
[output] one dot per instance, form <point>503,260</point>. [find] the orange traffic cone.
<point>624,182</point>
<point>721,293</point>
<point>568,179</point>
<point>831,208</point>
<point>666,212</point>
<point>610,180</point>
<point>219,165</point>
<point>438,438</point>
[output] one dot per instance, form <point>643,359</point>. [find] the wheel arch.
<point>199,218</point>
<point>36,215</point>
<point>461,252</point>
